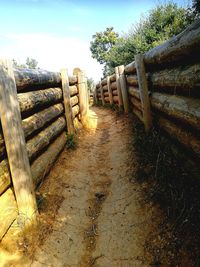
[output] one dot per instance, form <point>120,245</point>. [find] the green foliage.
<point>90,85</point>
<point>71,143</point>
<point>31,63</point>
<point>102,43</point>
<point>161,23</point>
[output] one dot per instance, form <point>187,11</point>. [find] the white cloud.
<point>52,52</point>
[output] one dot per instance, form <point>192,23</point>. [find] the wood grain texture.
<point>5,179</point>
<point>144,94</point>
<point>39,99</point>
<point>44,138</point>
<point>67,101</point>
<point>181,46</point>
<point>123,86</point>
<point>15,144</point>
<point>41,166</point>
<point>8,211</point>
<point>183,109</point>
<point>110,94</point>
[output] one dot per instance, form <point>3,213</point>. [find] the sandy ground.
<point>92,212</point>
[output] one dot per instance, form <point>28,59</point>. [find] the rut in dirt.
<point>93,213</point>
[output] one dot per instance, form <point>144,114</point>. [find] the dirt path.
<point>95,215</point>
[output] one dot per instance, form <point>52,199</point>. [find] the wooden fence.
<point>163,86</point>
<point>38,109</point>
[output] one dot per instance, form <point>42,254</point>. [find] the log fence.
<point>163,86</point>
<point>38,109</point>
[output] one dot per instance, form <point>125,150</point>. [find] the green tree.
<point>102,43</point>
<point>160,24</point>
<point>90,85</point>
<point>31,63</point>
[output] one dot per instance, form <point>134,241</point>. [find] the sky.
<point>57,33</point>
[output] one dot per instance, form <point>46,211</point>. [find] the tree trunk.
<point>38,99</point>
<point>4,176</point>
<point>113,86</point>
<point>181,46</point>
<point>130,68</point>
<point>29,77</point>
<point>42,165</point>
<point>134,91</point>
<point>187,139</point>
<point>136,103</point>
<point>44,138</point>
<point>74,100</point>
<point>75,110</point>
<point>184,109</point>
<point>73,90</point>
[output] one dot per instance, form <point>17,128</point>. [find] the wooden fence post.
<point>143,88</point>
<point>124,91</point>
<point>82,96</point>
<point>16,145</point>
<point>118,88</point>
<point>66,98</point>
<point>102,95</point>
<point>109,90</point>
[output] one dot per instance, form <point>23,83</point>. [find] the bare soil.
<point>92,211</point>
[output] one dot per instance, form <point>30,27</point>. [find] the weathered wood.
<point>143,88</point>
<point>83,99</point>
<point>186,138</point>
<point>40,119</point>
<point>15,144</point>
<point>134,91</point>
<point>30,77</point>
<point>130,68</point>
<point>67,101</point>
<point>115,99</point>
<point>138,113</point>
<point>2,145</point>
<point>39,99</point>
<point>102,95</point>
<point>36,122</point>
<point>73,80</point>
<point>5,179</point>
<point>42,165</point>
<point>184,109</point>
<point>113,78</point>
<point>113,86</point>
<point>8,211</point>
<point>109,90</point>
<point>114,92</point>
<point>120,100</point>
<point>75,111</point>
<point>104,82</point>
<point>73,90</point>
<point>74,100</point>
<point>106,99</point>
<point>123,87</point>
<point>183,77</point>
<point>136,103</point>
<point>105,88</point>
<point>98,85</point>
<point>77,123</point>
<point>132,80</point>
<point>182,46</point>
<point>44,138</point>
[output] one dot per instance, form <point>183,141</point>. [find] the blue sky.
<point>57,33</point>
